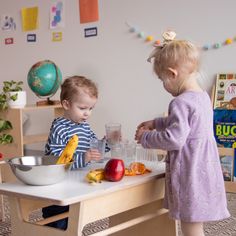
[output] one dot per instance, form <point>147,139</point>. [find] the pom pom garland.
<point>156,42</point>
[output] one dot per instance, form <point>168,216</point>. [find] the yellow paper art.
<point>56,36</point>
<point>29,18</point>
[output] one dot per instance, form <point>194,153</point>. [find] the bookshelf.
<point>230,186</point>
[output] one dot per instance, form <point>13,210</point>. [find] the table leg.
<point>20,227</point>
<point>75,221</point>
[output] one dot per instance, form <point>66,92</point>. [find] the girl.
<point>194,182</point>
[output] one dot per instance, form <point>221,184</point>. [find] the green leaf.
<point>12,86</point>
<point>14,97</point>
<point>6,138</point>
<point>5,125</point>
<point>3,105</point>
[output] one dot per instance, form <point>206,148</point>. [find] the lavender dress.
<point>194,182</point>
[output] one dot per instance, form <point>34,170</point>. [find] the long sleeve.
<point>174,135</point>
<point>160,123</point>
<point>60,133</point>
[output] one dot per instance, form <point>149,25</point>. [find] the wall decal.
<point>90,32</point>
<point>8,23</point>
<point>57,15</point>
<point>88,10</point>
<point>56,36</point>
<point>31,37</point>
<point>29,18</point>
<point>9,41</point>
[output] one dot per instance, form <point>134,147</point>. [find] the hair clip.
<point>167,36</point>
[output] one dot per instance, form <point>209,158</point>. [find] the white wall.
<point>116,59</point>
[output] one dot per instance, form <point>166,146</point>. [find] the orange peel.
<point>136,168</point>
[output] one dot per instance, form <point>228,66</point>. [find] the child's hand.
<point>147,125</point>
<point>92,155</point>
<point>139,133</point>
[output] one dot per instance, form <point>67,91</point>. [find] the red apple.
<point>114,170</point>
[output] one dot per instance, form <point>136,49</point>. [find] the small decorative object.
<point>228,41</point>
<point>44,79</point>
<point>14,94</point>
<point>141,34</point>
<point>158,42</point>
<point>149,38</point>
<point>217,45</point>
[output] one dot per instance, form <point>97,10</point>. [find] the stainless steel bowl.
<point>38,170</point>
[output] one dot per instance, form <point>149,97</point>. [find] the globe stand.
<point>48,102</point>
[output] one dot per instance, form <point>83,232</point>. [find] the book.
<point>225,91</point>
<point>234,177</point>
<point>224,126</point>
<point>227,163</point>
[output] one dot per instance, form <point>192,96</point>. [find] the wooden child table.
<point>133,205</point>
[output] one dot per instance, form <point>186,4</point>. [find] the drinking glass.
<point>113,133</point>
<point>100,146</point>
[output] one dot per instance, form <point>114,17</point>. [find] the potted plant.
<point>5,138</point>
<point>4,124</point>
<point>11,93</point>
<point>14,93</point>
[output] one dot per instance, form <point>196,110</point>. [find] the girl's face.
<point>170,84</point>
<point>80,109</point>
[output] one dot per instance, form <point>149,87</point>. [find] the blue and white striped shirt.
<point>61,131</point>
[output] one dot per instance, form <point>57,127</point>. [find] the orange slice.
<point>137,167</point>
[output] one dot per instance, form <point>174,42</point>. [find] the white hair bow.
<point>167,36</point>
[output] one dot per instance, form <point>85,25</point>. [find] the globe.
<point>44,79</point>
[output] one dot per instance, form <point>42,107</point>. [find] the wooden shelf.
<point>230,187</point>
<point>34,107</point>
<point>37,138</point>
<point>15,116</point>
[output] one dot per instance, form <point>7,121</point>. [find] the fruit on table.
<point>95,176</point>
<point>114,170</point>
<point>136,168</point>
<point>68,152</point>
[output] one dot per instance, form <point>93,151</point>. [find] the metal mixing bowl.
<point>38,170</point>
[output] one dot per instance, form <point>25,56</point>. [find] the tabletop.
<point>74,188</point>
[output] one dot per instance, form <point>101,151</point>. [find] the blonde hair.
<point>72,86</point>
<point>177,54</point>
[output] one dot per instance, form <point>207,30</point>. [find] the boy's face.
<point>80,109</point>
